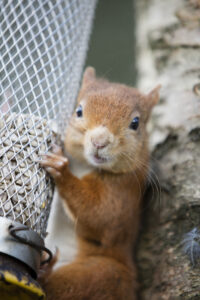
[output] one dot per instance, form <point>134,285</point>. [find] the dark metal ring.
<point>13,229</point>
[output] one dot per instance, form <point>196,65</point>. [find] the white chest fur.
<point>61,229</point>
<point>61,233</point>
<point>79,169</point>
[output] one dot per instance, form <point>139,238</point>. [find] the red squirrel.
<point>101,180</point>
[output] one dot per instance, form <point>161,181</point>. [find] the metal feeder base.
<point>19,262</point>
<point>16,283</point>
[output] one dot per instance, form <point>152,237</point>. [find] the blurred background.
<point>112,44</point>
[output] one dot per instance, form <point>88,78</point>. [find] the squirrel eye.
<point>134,124</point>
<point>79,111</point>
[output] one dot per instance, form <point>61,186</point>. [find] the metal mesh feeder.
<point>42,51</point>
<point>25,189</point>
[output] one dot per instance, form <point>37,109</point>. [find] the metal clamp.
<point>13,229</point>
<point>22,243</point>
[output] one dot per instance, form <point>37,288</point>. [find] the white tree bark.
<point>168,35</point>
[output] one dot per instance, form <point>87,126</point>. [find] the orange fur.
<point>105,203</point>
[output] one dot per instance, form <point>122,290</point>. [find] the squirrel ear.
<point>89,75</point>
<point>154,95</point>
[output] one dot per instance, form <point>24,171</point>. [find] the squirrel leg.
<point>78,193</point>
<point>92,278</point>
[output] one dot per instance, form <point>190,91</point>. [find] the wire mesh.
<point>42,50</point>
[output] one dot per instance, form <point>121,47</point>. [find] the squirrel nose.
<point>99,144</point>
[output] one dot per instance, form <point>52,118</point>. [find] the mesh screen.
<point>42,51</point>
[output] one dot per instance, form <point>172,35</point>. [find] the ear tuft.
<point>89,75</point>
<point>154,95</point>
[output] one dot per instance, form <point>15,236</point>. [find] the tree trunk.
<point>168,34</point>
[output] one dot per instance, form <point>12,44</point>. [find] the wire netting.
<point>42,50</point>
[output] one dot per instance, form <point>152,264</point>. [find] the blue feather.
<point>191,245</point>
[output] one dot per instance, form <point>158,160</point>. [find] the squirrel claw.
<point>54,164</point>
<point>53,172</point>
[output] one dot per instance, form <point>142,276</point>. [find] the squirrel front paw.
<point>55,162</point>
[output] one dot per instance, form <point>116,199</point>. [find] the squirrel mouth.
<point>99,159</point>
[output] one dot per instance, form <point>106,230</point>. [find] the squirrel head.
<point>108,127</point>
